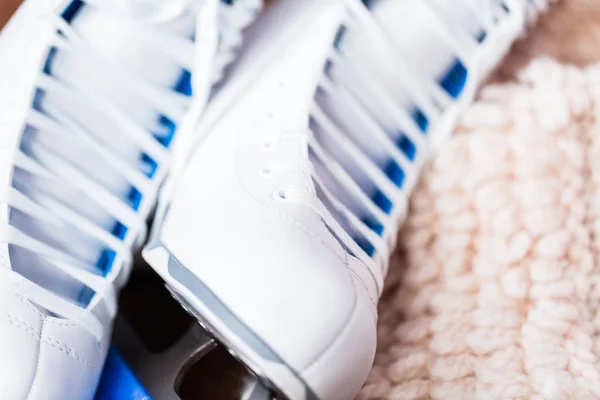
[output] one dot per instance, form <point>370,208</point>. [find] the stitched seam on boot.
<point>49,341</point>
<point>23,326</point>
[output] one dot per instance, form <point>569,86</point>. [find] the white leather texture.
<point>245,216</point>
<point>44,357</point>
<point>274,263</point>
<point>41,357</point>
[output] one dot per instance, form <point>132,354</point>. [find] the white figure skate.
<point>276,232</point>
<point>91,96</point>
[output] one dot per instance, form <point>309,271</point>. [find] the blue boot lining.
<point>453,83</point>
<point>183,86</point>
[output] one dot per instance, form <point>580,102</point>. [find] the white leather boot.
<point>277,229</point>
<point>94,97</point>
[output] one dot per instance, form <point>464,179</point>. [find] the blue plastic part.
<point>85,296</point>
<point>383,202</point>
<point>118,382</point>
<point>368,3</point>
<point>481,37</point>
<point>106,260</point>
<point>171,127</point>
<point>395,173</point>
<point>151,165</point>
<point>454,82</point>
<point>49,60</point>
<point>337,43</point>
<point>184,86</point>
<point>407,147</point>
<point>421,120</point>
<point>72,10</point>
<point>120,231</point>
<point>374,225</point>
<point>38,98</point>
<point>366,246</point>
<point>135,199</point>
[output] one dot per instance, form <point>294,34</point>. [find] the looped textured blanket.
<point>494,290</point>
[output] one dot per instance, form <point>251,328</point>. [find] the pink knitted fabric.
<point>494,289</point>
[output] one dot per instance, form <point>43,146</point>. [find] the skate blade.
<point>161,352</point>
<point>268,390</point>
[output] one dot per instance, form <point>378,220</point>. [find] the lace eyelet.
<point>265,172</point>
<point>281,195</point>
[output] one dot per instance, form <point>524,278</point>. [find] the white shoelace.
<point>57,121</point>
<point>342,155</point>
<point>234,19</point>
